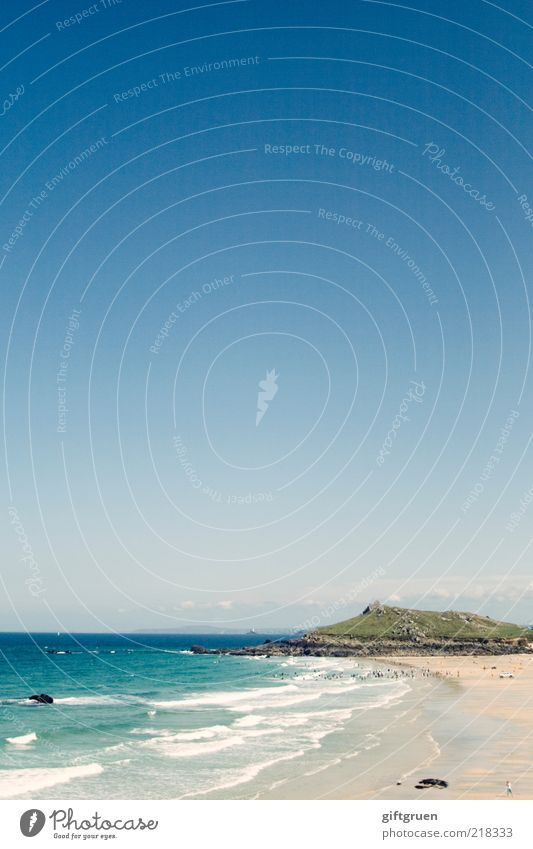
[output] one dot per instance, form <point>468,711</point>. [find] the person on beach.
<point>509,789</point>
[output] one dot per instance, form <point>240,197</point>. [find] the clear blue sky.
<point>195,197</point>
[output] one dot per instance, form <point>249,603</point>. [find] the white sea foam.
<point>293,720</point>
<point>263,726</point>
<point>192,750</point>
<point>14,783</point>
<point>23,740</point>
<point>96,700</point>
<point>259,698</point>
<point>237,777</point>
<point>224,698</point>
<point>277,724</point>
<point>250,721</point>
<point>309,728</point>
<point>206,741</point>
<point>153,732</point>
<point>86,700</point>
<point>200,733</point>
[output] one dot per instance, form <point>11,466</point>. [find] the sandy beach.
<point>266,728</point>
<point>461,722</point>
<point>491,721</point>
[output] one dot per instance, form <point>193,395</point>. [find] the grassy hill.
<point>381,622</point>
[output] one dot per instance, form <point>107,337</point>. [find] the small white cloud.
<point>187,605</point>
<point>441,592</point>
<point>225,605</point>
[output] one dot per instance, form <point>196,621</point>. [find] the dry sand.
<point>483,727</point>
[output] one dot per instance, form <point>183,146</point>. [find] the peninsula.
<point>382,630</point>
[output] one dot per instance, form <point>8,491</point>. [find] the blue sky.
<point>192,198</point>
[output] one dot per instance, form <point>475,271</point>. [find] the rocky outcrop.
<point>382,630</point>
<point>318,645</point>
<point>42,698</point>
<point>375,607</point>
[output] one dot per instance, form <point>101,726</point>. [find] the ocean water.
<point>139,716</point>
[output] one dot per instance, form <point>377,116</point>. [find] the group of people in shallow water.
<point>361,675</point>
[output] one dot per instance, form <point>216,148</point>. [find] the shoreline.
<point>486,731</point>
<point>380,753</point>
<point>400,720</point>
<point>461,723</point>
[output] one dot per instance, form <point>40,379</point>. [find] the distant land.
<point>210,629</point>
<point>384,630</point>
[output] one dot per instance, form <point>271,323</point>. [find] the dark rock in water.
<point>431,782</point>
<point>201,650</point>
<point>42,698</point>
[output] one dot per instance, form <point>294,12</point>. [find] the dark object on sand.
<point>431,782</point>
<point>398,783</point>
<point>42,698</point>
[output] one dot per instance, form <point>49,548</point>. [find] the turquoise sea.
<point>139,716</point>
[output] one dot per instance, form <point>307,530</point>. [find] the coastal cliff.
<point>388,631</point>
